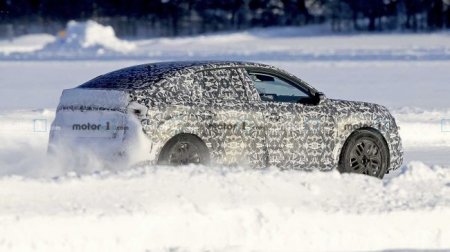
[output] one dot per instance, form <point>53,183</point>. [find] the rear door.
<point>233,127</point>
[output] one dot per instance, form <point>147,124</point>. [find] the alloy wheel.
<point>365,157</point>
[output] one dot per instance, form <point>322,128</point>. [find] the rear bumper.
<point>96,123</point>
<point>122,147</point>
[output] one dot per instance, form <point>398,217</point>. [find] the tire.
<point>365,152</point>
<point>184,149</point>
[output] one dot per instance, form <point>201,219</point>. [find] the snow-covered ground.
<point>50,204</point>
<point>222,209</point>
<point>93,41</point>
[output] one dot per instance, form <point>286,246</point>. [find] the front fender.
<point>351,116</point>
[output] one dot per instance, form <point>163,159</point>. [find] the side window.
<point>221,84</point>
<point>274,89</point>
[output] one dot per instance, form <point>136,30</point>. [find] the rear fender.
<point>165,123</point>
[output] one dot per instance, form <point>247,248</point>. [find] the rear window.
<point>136,77</point>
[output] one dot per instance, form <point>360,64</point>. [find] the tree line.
<point>187,17</point>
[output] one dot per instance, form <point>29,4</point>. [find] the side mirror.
<point>320,97</point>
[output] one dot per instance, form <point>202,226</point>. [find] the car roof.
<point>145,75</point>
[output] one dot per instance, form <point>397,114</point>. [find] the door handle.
<point>273,117</point>
<point>209,114</point>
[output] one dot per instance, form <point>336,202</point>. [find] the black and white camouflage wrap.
<point>218,102</point>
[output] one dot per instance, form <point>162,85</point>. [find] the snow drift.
<point>224,209</point>
<point>25,44</point>
<point>88,37</point>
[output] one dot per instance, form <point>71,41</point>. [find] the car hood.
<point>358,106</point>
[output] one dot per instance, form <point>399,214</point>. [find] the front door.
<point>299,130</point>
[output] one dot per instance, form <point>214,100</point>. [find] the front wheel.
<point>183,150</point>
<point>365,152</point>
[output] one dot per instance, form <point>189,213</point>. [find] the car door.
<point>233,127</point>
<point>300,131</point>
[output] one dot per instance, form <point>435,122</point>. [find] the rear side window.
<point>222,84</point>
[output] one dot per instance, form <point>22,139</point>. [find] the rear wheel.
<point>365,152</point>
<point>184,149</point>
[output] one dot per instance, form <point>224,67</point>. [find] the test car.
<point>227,113</point>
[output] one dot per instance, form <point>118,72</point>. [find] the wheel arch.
<point>349,137</point>
<point>174,136</point>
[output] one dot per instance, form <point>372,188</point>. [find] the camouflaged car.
<point>229,113</point>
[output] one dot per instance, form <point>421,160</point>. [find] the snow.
<point>90,40</point>
<point>112,99</point>
<point>54,204</point>
<point>214,208</point>
<point>424,121</point>
<point>86,35</point>
<point>79,38</point>
<point>25,44</point>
